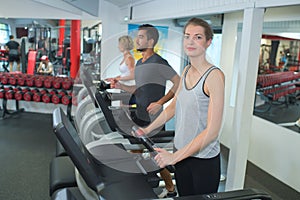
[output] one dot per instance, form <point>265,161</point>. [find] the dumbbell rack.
<point>6,111</point>
<point>36,88</point>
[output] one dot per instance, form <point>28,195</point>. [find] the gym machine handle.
<point>103,85</point>
<point>149,144</point>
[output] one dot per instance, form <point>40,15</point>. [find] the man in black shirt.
<point>151,75</point>
<point>13,49</point>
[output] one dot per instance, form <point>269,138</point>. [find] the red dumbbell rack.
<point>24,87</point>
<point>4,91</point>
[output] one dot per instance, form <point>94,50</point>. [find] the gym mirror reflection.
<point>278,82</point>
<point>51,38</point>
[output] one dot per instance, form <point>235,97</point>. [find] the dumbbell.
<point>37,97</point>
<point>12,80</point>
<point>4,79</point>
<point>2,93</point>
<point>66,99</point>
<point>56,98</point>
<point>38,81</point>
<point>21,80</point>
<point>25,89</point>
<point>67,84</point>
<point>18,92</point>
<point>57,82</point>
<point>46,98</point>
<point>48,82</point>
<point>29,81</point>
<point>35,90</point>
<point>19,95</point>
<point>43,91</point>
<point>8,88</point>
<point>16,89</point>
<point>63,92</point>
<point>28,96</point>
<point>52,92</point>
<point>9,94</point>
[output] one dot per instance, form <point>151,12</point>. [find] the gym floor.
<point>27,145</point>
<point>281,114</point>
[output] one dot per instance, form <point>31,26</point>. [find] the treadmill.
<point>118,118</point>
<point>108,170</point>
<point>106,182</point>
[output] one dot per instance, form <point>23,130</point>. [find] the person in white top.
<point>45,66</point>
<point>198,107</point>
<point>127,64</point>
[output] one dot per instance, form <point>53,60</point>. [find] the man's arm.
<point>175,80</point>
<point>50,68</point>
<point>127,88</point>
<point>154,107</point>
<point>39,69</point>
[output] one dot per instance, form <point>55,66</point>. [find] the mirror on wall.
<point>38,37</point>
<point>278,81</point>
<point>51,38</point>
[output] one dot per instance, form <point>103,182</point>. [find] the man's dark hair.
<point>152,32</point>
<point>11,37</point>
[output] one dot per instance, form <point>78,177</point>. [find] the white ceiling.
<point>121,3</point>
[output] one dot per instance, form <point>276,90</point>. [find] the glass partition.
<point>278,82</point>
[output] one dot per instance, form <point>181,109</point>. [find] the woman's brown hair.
<point>200,22</point>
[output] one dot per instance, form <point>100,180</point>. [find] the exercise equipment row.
<point>98,181</point>
<point>36,81</point>
<point>135,168</point>
<point>37,95</point>
<point>118,119</point>
<point>92,128</point>
<point>99,174</point>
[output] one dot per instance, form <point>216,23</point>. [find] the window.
<point>4,33</point>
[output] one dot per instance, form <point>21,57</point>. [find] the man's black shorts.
<point>12,58</point>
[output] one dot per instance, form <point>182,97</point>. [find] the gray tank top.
<point>191,116</point>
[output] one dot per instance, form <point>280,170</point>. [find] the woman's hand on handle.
<point>163,158</point>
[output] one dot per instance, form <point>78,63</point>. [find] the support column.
<point>75,47</point>
<point>246,85</point>
<point>61,36</point>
